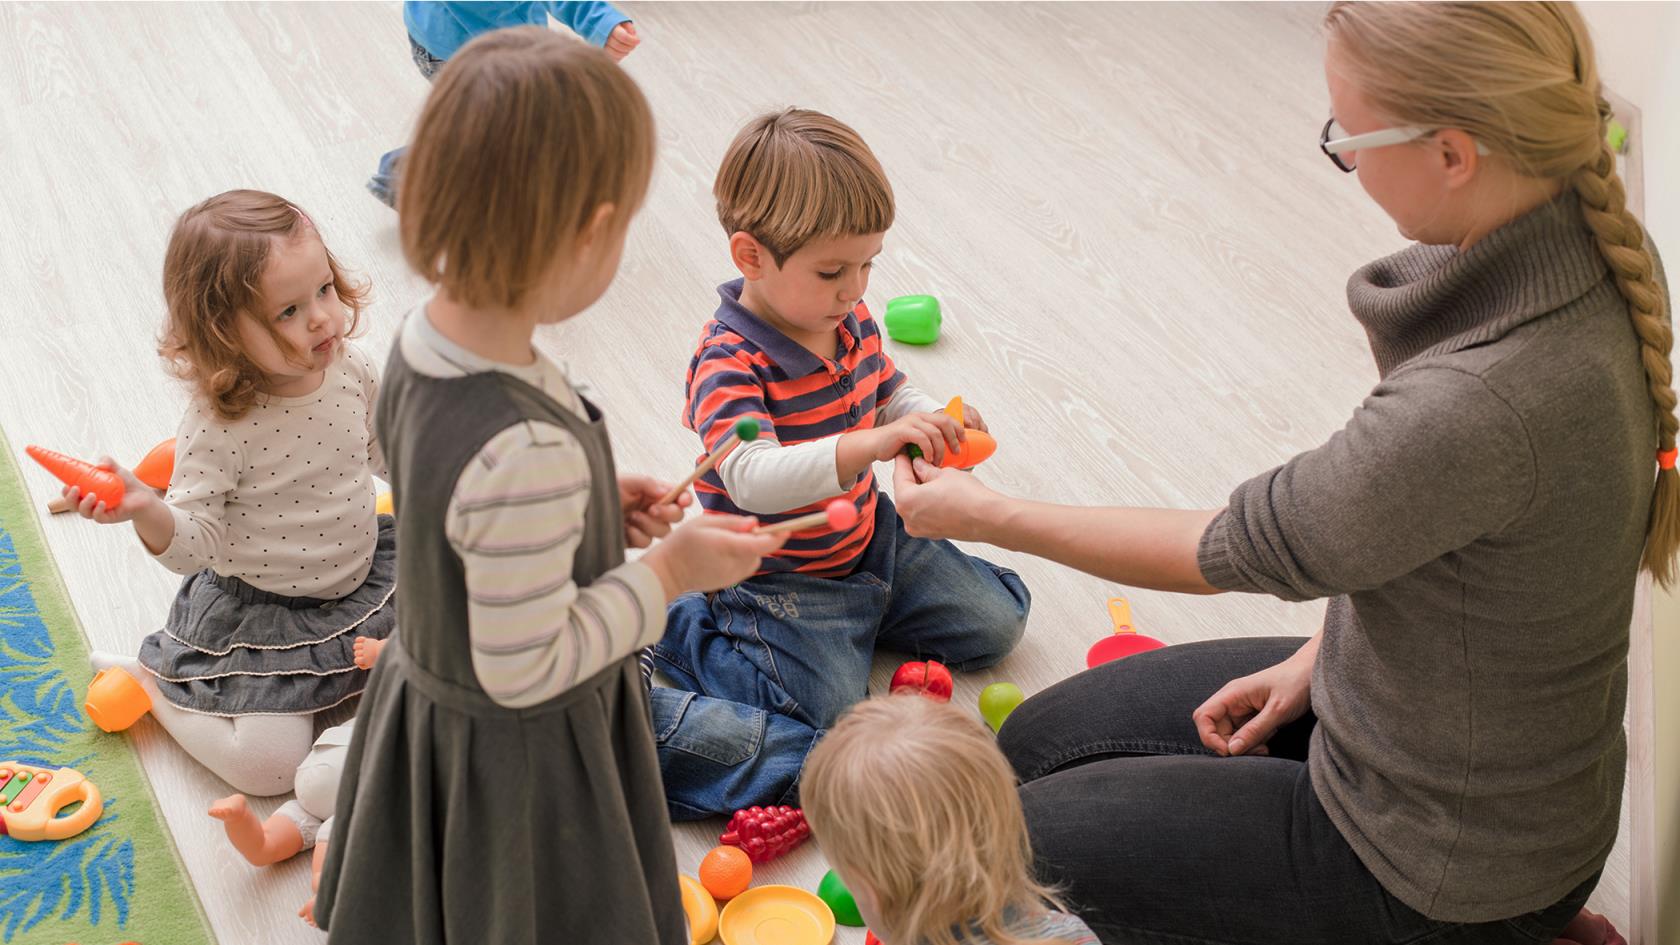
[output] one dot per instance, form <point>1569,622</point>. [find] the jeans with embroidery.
<point>791,648</point>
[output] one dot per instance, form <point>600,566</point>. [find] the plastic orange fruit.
<point>702,912</point>
<point>726,872</point>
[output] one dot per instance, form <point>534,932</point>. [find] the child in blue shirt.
<point>437,29</point>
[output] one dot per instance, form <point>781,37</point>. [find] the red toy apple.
<point>931,679</point>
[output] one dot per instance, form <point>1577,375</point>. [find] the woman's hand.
<point>643,520</point>
<point>942,503</point>
<point>1242,716</point>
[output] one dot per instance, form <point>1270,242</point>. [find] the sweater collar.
<point>1433,300</point>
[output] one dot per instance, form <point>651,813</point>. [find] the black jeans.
<point>1155,840</point>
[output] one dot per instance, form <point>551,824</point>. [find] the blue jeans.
<point>717,756</point>
<point>1154,841</point>
<point>801,646</point>
<point>383,183</point>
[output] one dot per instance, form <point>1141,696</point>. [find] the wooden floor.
<point>1141,253</point>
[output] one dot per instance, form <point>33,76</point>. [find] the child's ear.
<point>749,255</point>
<point>600,224</point>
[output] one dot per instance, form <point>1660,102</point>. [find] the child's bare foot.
<point>251,837</point>
<point>307,913</point>
<point>367,651</point>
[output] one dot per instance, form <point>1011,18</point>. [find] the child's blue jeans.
<point>801,646</point>
<point>383,183</point>
<point>764,667</point>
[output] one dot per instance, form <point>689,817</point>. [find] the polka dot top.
<point>282,497</point>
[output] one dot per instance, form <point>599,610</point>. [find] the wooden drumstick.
<point>839,515</point>
<point>744,429</point>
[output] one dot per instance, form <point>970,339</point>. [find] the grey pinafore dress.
<point>459,820</point>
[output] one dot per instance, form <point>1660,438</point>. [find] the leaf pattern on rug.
<point>93,872</point>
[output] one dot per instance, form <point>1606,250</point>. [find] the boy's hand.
<point>708,553</point>
<point>972,419</point>
<point>643,520</point>
<point>137,497</point>
<point>621,41</point>
<point>933,433</point>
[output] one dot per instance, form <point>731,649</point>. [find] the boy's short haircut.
<point>525,134</point>
<point>797,175</point>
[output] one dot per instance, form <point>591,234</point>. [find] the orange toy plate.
<point>776,915</point>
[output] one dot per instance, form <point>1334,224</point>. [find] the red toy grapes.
<point>766,832</point>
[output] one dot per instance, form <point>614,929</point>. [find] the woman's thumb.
<point>1255,731</point>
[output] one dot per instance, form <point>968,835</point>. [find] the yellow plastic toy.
<point>776,915</point>
<point>384,505</point>
<point>701,909</point>
<point>30,799</point>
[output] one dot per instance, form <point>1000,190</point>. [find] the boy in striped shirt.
<point>806,204</point>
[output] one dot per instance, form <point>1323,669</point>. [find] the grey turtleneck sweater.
<point>1478,526</point>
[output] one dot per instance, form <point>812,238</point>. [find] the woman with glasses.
<point>1443,761</point>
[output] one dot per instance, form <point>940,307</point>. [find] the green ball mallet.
<point>744,430</point>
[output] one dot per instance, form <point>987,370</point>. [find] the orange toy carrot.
<point>85,476</point>
<point>977,445</point>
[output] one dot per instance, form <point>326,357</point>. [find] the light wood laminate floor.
<point>1141,253</point>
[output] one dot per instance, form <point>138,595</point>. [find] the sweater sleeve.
<point>906,400</point>
<point>368,376</point>
<point>516,518</point>
<point>1433,460</point>
<point>591,19</point>
<point>208,462</point>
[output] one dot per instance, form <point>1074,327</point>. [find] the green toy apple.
<point>997,701</point>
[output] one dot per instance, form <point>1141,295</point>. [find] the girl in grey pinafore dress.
<point>463,821</point>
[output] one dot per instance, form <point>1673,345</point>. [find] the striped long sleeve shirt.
<point>744,367</point>
<point>516,518</point>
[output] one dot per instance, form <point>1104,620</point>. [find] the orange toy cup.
<point>91,479</point>
<point>115,700</point>
<point>155,468</point>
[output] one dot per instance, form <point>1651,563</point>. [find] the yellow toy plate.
<point>701,910</point>
<point>776,915</point>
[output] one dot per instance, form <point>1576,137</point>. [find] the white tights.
<point>257,754</point>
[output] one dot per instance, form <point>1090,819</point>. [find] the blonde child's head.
<point>252,295</point>
<point>1520,80</point>
<point>531,155</point>
<point>915,808</point>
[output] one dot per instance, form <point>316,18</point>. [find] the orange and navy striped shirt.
<point>744,367</point>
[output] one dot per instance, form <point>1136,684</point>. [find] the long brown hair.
<point>1521,79</point>
<point>524,136</point>
<point>211,274</point>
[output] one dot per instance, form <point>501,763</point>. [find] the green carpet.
<point>120,880</point>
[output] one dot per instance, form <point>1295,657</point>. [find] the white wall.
<point>1638,46</point>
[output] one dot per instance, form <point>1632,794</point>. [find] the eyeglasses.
<point>1333,148</point>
